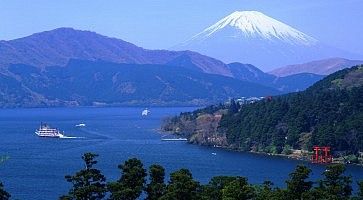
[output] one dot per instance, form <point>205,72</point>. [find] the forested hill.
<point>101,83</point>
<point>328,113</point>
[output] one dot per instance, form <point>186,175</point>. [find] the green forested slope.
<point>328,113</point>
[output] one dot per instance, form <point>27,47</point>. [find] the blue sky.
<point>159,24</point>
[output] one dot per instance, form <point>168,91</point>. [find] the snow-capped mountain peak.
<point>252,37</point>
<point>254,24</point>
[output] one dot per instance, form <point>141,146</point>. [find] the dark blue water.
<point>37,166</point>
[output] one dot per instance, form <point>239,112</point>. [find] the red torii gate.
<point>321,155</point>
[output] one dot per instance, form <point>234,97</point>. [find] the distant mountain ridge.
<point>322,67</point>
<point>100,83</point>
<point>58,46</point>
<point>253,37</point>
<point>292,83</point>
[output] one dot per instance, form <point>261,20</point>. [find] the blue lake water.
<point>36,166</point>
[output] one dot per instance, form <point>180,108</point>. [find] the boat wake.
<point>71,137</point>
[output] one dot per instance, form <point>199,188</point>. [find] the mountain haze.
<point>322,67</point>
<point>291,83</point>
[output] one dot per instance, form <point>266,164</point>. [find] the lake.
<point>36,166</point>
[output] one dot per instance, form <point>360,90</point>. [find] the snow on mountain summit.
<point>255,38</point>
<point>254,24</point>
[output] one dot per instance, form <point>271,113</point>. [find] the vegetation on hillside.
<point>94,83</point>
<point>329,113</point>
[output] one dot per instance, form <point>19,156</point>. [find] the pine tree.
<point>131,183</point>
<point>238,189</point>
<point>181,186</point>
<point>297,183</point>
<point>88,183</point>
<point>213,190</point>
<point>156,188</point>
<point>335,185</point>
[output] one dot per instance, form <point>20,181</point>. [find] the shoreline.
<point>293,156</point>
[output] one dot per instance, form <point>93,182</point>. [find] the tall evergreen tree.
<point>181,186</point>
<point>297,184</point>
<point>267,192</point>
<point>131,183</point>
<point>213,190</point>
<point>238,189</point>
<point>89,183</point>
<point>335,185</point>
<point>156,188</point>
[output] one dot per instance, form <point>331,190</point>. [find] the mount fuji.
<point>252,37</point>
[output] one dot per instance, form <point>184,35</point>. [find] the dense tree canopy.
<point>89,183</point>
<point>297,185</point>
<point>330,113</point>
<point>131,183</point>
<point>238,189</point>
<point>156,188</point>
<point>334,185</point>
<point>181,186</point>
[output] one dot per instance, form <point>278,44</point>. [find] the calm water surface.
<point>36,166</point>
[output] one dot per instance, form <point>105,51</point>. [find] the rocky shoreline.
<point>203,129</point>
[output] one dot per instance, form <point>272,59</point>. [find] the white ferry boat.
<point>46,131</point>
